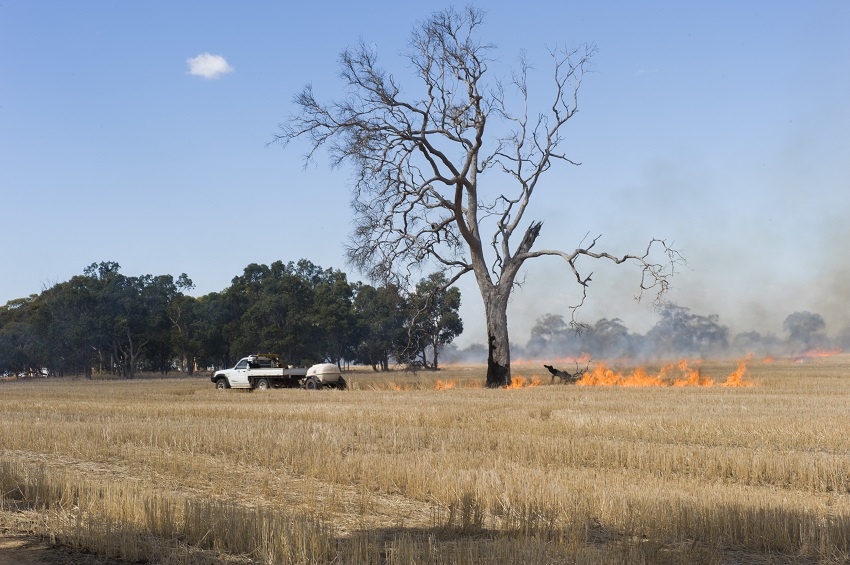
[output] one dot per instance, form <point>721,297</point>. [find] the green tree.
<point>333,316</point>
<point>17,337</point>
<point>381,314</point>
<point>212,316</point>
<point>434,320</point>
<point>141,320</point>
<point>127,315</point>
<point>98,320</point>
<point>272,306</point>
<point>183,314</point>
<point>299,310</point>
<point>65,323</point>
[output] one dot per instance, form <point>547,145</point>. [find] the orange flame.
<point>516,382</point>
<point>601,375</point>
<point>814,353</point>
<point>690,377</point>
<point>736,378</point>
<point>445,385</point>
<point>679,375</point>
<point>520,382</point>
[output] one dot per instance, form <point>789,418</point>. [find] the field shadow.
<point>591,545</point>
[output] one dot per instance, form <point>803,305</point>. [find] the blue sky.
<point>723,127</point>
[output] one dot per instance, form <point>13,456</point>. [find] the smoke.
<point>473,354</point>
<point>761,218</point>
<point>678,333</point>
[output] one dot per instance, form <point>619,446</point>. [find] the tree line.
<point>106,322</point>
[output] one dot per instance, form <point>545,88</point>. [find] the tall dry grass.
<point>393,471</point>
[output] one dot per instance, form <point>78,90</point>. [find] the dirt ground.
<point>17,548</point>
<point>27,550</point>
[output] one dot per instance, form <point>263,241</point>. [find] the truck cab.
<point>237,377</point>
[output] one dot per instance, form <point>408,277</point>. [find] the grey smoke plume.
<point>679,333</point>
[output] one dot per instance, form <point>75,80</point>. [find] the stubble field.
<point>394,471</point>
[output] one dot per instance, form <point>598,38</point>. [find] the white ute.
<point>264,371</point>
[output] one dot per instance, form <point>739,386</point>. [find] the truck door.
<point>239,378</point>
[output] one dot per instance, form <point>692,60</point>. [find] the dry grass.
<point>393,471</point>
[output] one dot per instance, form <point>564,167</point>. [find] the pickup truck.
<point>264,371</point>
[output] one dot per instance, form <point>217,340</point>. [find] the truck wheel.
<point>221,384</point>
<point>262,384</point>
<point>341,384</point>
<point>311,383</point>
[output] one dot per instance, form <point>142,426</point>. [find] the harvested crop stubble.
<point>177,470</point>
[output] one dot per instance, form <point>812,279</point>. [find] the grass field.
<point>394,471</point>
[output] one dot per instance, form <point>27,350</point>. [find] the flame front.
<point>445,385</point>
<point>679,375</point>
<point>816,353</point>
<point>689,376</point>
<point>520,382</point>
<point>736,378</point>
<point>517,382</point>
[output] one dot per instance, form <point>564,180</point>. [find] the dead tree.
<point>423,159</point>
<point>564,376</point>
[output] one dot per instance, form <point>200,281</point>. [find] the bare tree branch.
<point>418,158</point>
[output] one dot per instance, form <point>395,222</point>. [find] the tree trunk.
<point>435,346</point>
<point>499,349</point>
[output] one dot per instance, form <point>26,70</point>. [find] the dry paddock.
<point>394,471</point>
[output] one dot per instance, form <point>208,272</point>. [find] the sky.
<point>139,132</point>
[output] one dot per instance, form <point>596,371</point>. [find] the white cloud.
<point>209,66</point>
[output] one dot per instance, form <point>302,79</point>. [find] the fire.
<point>520,382</point>
<point>690,377</point>
<point>601,375</point>
<point>735,379</point>
<point>445,385</point>
<point>815,353</point>
<point>679,375</point>
<point>823,352</point>
<point>517,382</point>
